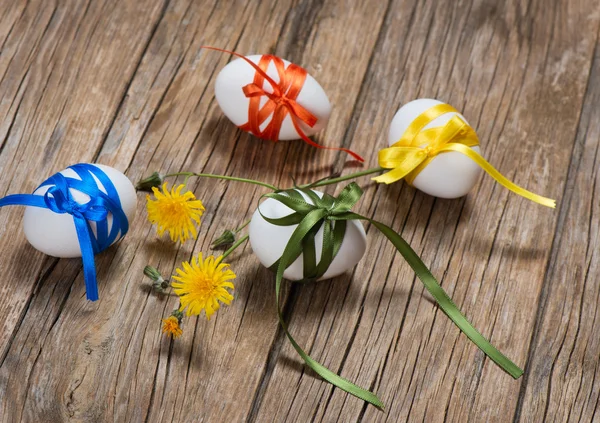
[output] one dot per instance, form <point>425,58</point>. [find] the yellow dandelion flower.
<point>202,284</point>
<point>171,327</point>
<point>174,212</point>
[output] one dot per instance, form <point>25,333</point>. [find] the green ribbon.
<point>332,213</point>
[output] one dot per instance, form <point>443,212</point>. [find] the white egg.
<point>449,174</point>
<point>268,241</point>
<point>54,234</point>
<point>232,100</point>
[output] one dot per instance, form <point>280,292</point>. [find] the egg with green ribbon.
<point>287,229</point>
<point>329,249</point>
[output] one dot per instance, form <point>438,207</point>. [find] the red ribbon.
<point>280,102</point>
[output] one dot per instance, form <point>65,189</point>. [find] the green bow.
<point>310,218</point>
<point>332,213</point>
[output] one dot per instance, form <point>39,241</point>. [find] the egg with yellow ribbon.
<point>433,148</point>
<point>448,174</point>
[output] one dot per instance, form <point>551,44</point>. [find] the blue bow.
<point>58,199</point>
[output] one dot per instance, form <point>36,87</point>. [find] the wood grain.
<point>491,249</point>
<point>63,80</point>
<point>563,361</point>
<point>126,83</point>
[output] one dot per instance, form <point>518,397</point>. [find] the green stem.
<point>243,226</point>
<point>228,178</point>
<point>234,246</point>
<point>344,178</point>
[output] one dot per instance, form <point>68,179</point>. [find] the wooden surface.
<point>125,83</point>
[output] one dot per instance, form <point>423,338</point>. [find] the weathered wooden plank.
<point>561,384</point>
<point>519,74</point>
<point>167,121</point>
<point>53,91</point>
<point>61,86</point>
<point>222,378</point>
<point>129,84</point>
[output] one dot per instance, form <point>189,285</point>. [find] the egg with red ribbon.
<point>272,107</point>
<point>273,99</point>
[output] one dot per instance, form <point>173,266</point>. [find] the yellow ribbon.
<point>417,148</point>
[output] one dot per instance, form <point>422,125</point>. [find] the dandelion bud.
<point>146,184</point>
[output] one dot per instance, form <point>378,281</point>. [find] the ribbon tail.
<point>303,114</point>
<point>331,377</point>
<point>498,177</point>
<point>87,255</point>
<point>314,144</point>
<point>444,300</point>
<point>393,175</point>
<point>23,200</point>
<point>292,250</point>
<point>401,161</point>
<point>250,62</point>
<point>85,240</point>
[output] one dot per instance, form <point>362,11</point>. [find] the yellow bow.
<point>417,147</point>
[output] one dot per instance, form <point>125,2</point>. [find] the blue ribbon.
<point>58,199</point>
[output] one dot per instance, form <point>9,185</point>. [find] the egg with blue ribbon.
<point>78,212</point>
